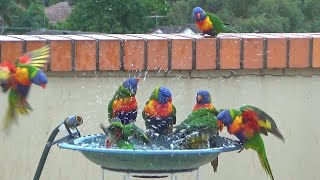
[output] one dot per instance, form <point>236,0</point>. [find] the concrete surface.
<point>291,100</point>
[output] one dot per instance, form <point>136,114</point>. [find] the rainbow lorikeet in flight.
<point>18,77</point>
<point>209,23</point>
<point>123,105</point>
<point>123,136</point>
<point>203,100</point>
<point>247,124</point>
<point>159,113</point>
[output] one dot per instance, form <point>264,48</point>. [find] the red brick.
<point>11,48</point>
<point>299,52</point>
<point>133,52</point>
<point>229,52</point>
<point>85,52</point>
<point>316,51</point>
<point>157,49</point>
<point>181,51</point>
<point>252,52</point>
<point>109,51</point>
<point>60,52</point>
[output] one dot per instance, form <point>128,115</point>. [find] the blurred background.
<point>154,16</point>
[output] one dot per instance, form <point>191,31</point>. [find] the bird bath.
<point>145,161</point>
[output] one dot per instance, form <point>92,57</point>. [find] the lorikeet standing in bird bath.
<point>17,78</point>
<point>209,23</point>
<point>159,113</point>
<point>203,100</point>
<point>196,131</point>
<point>123,105</point>
<point>247,124</point>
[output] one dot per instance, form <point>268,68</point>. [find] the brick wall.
<point>91,52</point>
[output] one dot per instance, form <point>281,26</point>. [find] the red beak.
<point>220,125</point>
<point>43,86</point>
<point>198,15</point>
<point>138,79</point>
<point>199,98</point>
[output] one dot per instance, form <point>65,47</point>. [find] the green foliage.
<point>252,15</point>
<point>117,16</point>
<point>310,9</point>
<point>139,16</point>
<point>32,17</point>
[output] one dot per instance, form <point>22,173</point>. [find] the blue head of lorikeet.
<point>40,79</point>
<point>203,97</point>
<point>199,14</point>
<point>224,119</point>
<point>131,84</point>
<point>164,95</point>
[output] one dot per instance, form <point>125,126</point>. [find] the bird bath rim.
<point>75,146</point>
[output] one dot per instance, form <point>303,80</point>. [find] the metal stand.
<point>174,176</point>
<point>127,176</point>
<point>197,174</point>
<point>102,174</point>
<point>70,125</point>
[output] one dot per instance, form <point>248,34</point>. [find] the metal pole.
<point>102,174</point>
<point>174,176</point>
<point>127,176</point>
<point>45,154</point>
<point>197,174</point>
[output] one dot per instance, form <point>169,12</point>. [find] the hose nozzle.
<point>73,121</point>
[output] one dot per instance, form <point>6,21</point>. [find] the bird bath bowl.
<point>145,161</point>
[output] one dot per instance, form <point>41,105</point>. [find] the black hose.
<point>45,154</point>
<point>69,122</point>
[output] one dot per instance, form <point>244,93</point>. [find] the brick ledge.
<point>135,52</point>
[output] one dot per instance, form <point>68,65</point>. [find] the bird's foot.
<point>241,144</point>
<point>242,148</point>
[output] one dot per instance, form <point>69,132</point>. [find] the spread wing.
<point>37,58</point>
<point>266,123</point>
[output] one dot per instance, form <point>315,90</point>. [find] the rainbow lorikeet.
<point>247,124</point>
<point>123,136</point>
<point>203,100</point>
<point>123,105</point>
<point>159,113</point>
<point>196,131</point>
<point>209,23</point>
<point>18,77</point>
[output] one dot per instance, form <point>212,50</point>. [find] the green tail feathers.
<point>264,162</point>
<point>256,143</point>
<point>10,118</point>
<point>229,29</point>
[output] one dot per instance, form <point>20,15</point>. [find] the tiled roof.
<point>58,12</point>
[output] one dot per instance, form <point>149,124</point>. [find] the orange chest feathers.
<point>205,25</point>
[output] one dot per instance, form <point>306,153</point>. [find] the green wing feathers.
<point>136,132</point>
<point>201,119</point>
<point>110,110</point>
<point>266,123</point>
<point>218,25</point>
<point>174,117</point>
